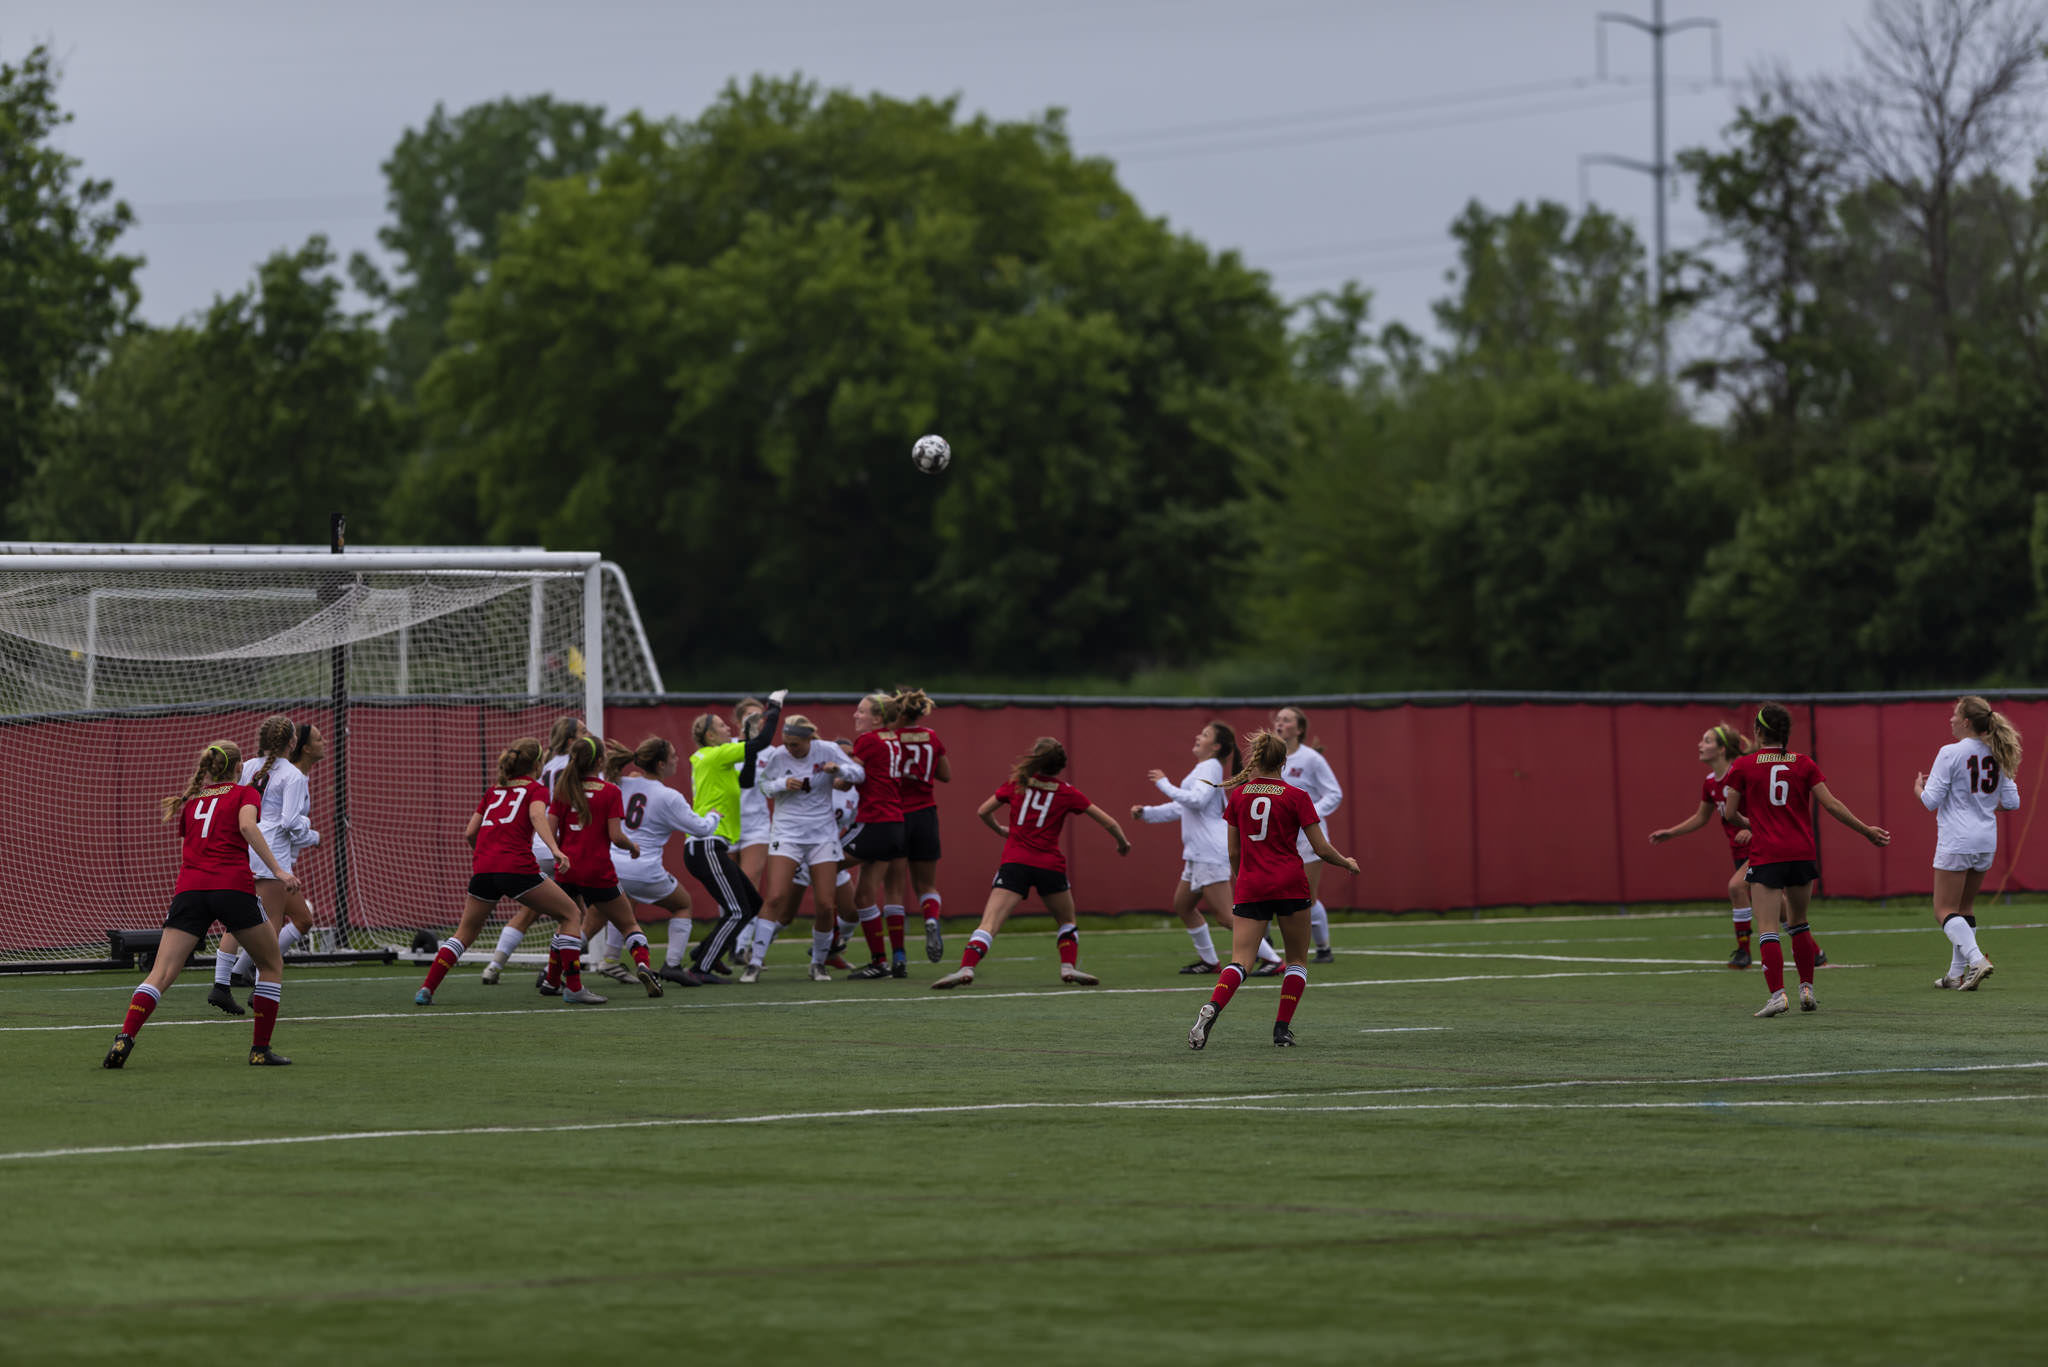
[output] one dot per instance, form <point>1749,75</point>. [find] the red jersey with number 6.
<point>216,853</point>
<point>1268,813</point>
<point>921,750</point>
<point>1039,808</point>
<point>1777,797</point>
<point>588,840</point>
<point>504,843</point>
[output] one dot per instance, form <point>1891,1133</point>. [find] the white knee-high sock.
<point>1205,948</point>
<point>245,963</point>
<point>679,928</point>
<point>223,968</point>
<point>610,943</point>
<point>1268,954</point>
<point>508,941</point>
<point>821,945</point>
<point>1963,936</point>
<point>288,937</point>
<point>1319,924</point>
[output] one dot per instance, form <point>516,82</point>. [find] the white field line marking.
<point>1139,1104</point>
<point>1611,1105</point>
<point>428,1012</point>
<point>1401,1029</point>
<point>1542,958</point>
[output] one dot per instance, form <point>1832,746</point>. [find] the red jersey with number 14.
<point>216,853</point>
<point>504,842</point>
<point>588,840</point>
<point>1268,813</point>
<point>1039,808</point>
<point>1777,797</point>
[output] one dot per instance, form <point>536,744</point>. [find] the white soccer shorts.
<point>1964,861</point>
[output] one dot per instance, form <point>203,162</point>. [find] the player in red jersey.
<point>1721,746</point>
<point>876,839</point>
<point>1777,788</point>
<point>510,818</point>
<point>1269,881</point>
<point>1040,803</point>
<point>590,813</point>
<point>924,762</point>
<point>220,821</point>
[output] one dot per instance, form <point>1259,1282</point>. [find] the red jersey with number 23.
<point>1268,813</point>
<point>1039,808</point>
<point>504,842</point>
<point>216,853</point>
<point>588,840</point>
<point>1777,797</point>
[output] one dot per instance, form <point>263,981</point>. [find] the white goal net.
<point>418,668</point>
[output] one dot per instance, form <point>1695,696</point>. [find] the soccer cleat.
<point>1323,955</point>
<point>1947,980</point>
<point>822,974</point>
<point>751,973</point>
<point>1200,967</point>
<point>899,969</point>
<point>1739,959</point>
<point>1806,1001</point>
<point>241,980</point>
<point>548,989</point>
<point>266,1057</point>
<point>225,1000</point>
<point>959,977</point>
<point>1979,971</point>
<point>1074,976</point>
<point>123,1046</point>
<point>1820,957</point>
<point>837,960</point>
<point>423,997</point>
<point>491,972</point>
<point>1283,1035</point>
<point>583,996</point>
<point>647,979</point>
<point>1204,1019</point>
<point>934,939</point>
<point>1776,1006</point>
<point>869,971</point>
<point>1269,969</point>
<point>616,971</point>
<point>685,976</point>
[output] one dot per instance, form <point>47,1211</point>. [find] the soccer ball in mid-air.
<point>931,454</point>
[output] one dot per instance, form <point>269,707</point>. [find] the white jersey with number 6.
<point>654,812</point>
<point>1965,791</point>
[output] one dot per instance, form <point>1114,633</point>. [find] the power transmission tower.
<point>1657,169</point>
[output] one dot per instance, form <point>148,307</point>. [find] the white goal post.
<point>417,666</point>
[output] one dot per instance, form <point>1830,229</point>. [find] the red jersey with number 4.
<point>1268,813</point>
<point>1777,797</point>
<point>587,840</point>
<point>216,853</point>
<point>1039,808</point>
<point>504,843</point>
<point>881,800</point>
<point>921,750</point>
<point>1711,791</point>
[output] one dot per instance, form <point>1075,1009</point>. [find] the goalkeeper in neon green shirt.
<point>719,767</point>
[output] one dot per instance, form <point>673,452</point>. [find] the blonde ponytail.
<point>218,762</point>
<point>1265,755</point>
<point>1995,729</point>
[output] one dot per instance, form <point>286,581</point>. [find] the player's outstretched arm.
<point>1325,851</point>
<point>1685,827</point>
<point>1108,823</point>
<point>252,831</point>
<point>1839,810</point>
<point>616,829</point>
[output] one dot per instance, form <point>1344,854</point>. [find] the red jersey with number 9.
<point>1777,797</point>
<point>1268,813</point>
<point>588,841</point>
<point>504,842</point>
<point>1039,808</point>
<point>216,854</point>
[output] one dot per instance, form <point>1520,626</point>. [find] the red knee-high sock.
<point>930,904</point>
<point>450,952</point>
<point>553,975</point>
<point>871,927</point>
<point>139,1006</point>
<point>1226,986</point>
<point>1742,934</point>
<point>1291,987</point>
<point>977,945</point>
<point>264,1000</point>
<point>566,962</point>
<point>637,947</point>
<point>1804,951</point>
<point>894,916</point>
<point>1070,946</point>
<point>1773,955</point>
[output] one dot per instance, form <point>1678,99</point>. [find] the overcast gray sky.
<point>236,127</point>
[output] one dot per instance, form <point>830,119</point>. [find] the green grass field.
<point>1534,1140</point>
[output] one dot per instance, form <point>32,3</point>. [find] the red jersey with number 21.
<point>1268,813</point>
<point>1039,809</point>
<point>216,853</point>
<point>504,842</point>
<point>1777,797</point>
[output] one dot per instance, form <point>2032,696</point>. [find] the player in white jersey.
<point>564,733</point>
<point>1970,783</point>
<point>286,820</point>
<point>1307,769</point>
<point>654,812</point>
<point>799,778</point>
<point>765,927</point>
<point>1197,803</point>
<point>752,850</point>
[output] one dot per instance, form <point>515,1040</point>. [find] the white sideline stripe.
<point>1541,958</point>
<point>429,1012</point>
<point>1401,1029</point>
<point>1221,1103</point>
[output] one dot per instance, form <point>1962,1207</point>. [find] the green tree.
<point>713,356</point>
<point>65,292</point>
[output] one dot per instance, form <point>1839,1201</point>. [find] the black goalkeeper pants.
<point>710,862</point>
